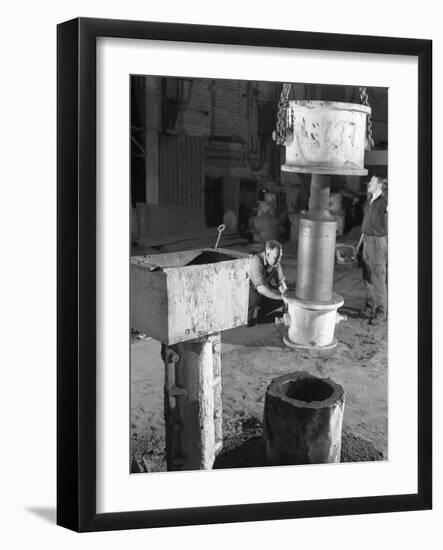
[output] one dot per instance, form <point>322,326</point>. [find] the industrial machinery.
<point>322,139</point>
<point>185,300</point>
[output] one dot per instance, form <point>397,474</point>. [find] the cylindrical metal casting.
<point>323,138</point>
<point>312,324</point>
<point>193,406</point>
<point>315,265</point>
<point>326,137</point>
<point>303,420</point>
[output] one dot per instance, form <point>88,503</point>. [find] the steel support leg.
<point>193,409</point>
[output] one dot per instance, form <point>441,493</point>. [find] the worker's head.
<point>273,251</point>
<point>377,185</point>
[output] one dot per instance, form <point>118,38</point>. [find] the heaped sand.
<point>251,358</point>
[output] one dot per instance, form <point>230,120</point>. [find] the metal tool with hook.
<point>220,230</point>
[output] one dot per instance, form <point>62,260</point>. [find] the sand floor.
<point>252,357</point>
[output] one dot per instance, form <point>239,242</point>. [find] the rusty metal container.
<point>180,296</point>
<point>326,137</point>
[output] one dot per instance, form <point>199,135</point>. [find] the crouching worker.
<point>267,283</point>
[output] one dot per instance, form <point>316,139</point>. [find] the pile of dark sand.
<point>244,447</point>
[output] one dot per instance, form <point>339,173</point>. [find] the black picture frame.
<point>76,280</point>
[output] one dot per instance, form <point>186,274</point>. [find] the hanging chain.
<point>364,100</point>
<point>283,122</point>
<point>279,134</point>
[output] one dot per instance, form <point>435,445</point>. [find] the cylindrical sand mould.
<point>312,324</point>
<point>326,138</point>
<point>193,406</point>
<point>303,420</point>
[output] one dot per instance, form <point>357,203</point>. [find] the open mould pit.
<point>160,262</point>
<point>308,390</point>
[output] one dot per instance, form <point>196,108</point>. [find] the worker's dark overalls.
<point>264,305</point>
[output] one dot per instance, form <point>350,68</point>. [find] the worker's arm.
<point>267,291</point>
<point>282,287</point>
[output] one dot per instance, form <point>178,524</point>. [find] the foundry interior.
<point>218,169</point>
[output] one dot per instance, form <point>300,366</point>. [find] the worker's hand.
<point>283,288</point>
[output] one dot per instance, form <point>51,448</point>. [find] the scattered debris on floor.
<point>244,447</point>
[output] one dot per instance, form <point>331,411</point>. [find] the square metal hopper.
<point>180,296</point>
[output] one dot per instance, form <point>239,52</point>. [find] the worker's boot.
<point>367,312</point>
<point>252,321</point>
<point>379,317</point>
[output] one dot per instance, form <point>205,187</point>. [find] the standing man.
<point>267,282</point>
<point>375,251</point>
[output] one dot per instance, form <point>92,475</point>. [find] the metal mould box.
<point>326,138</point>
<point>181,296</point>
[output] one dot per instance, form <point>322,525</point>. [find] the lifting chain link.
<point>364,100</point>
<point>279,134</point>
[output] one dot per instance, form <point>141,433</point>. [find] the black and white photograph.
<point>258,274</point>
<point>221,280</point>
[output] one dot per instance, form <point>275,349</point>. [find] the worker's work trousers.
<point>262,304</point>
<point>375,259</point>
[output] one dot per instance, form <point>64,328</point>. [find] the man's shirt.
<point>262,273</point>
<point>374,221</point>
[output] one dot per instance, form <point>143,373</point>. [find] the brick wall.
<point>228,113</point>
<point>216,108</point>
<point>195,119</point>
